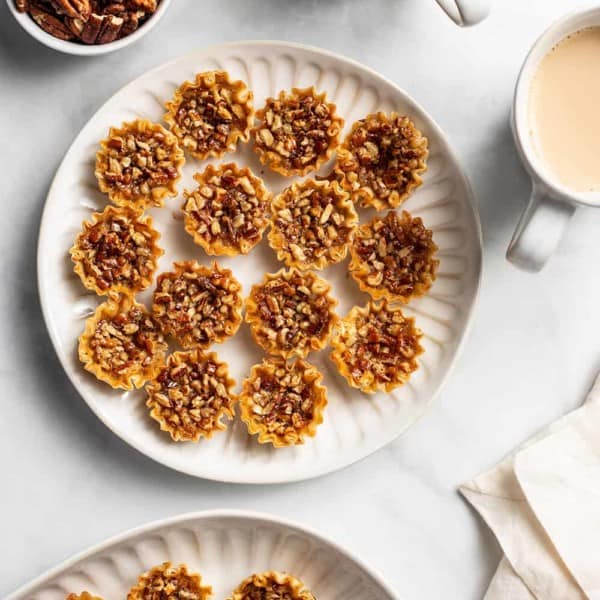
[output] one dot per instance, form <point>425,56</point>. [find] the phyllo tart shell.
<point>312,224</point>
<point>283,401</point>
<point>211,114</point>
<point>116,251</point>
<point>121,344</point>
<point>83,596</point>
<point>381,160</point>
<point>393,257</point>
<point>291,313</point>
<point>191,395</point>
<point>197,305</point>
<point>376,347</point>
<point>139,164</point>
<point>168,582</point>
<point>227,213</point>
<point>271,585</point>
<point>298,131</point>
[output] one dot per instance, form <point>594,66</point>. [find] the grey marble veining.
<point>67,482</point>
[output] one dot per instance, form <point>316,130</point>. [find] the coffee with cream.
<point>564,110</point>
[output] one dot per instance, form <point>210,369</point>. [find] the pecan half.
<point>75,9</point>
<point>132,22</point>
<point>91,29</point>
<point>148,6</point>
<point>22,5</point>
<point>50,24</point>
<point>110,29</point>
<point>115,8</point>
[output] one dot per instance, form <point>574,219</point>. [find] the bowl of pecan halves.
<point>88,27</point>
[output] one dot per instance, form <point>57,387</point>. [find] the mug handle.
<point>466,12</point>
<point>539,230</point>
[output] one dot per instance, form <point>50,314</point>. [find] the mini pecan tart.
<point>271,585</point>
<point>83,596</point>
<point>291,313</point>
<point>139,164</point>
<point>121,343</point>
<point>283,401</point>
<point>227,213</point>
<point>313,223</point>
<point>381,160</point>
<point>393,257</point>
<point>167,582</point>
<point>376,347</point>
<point>211,114</point>
<point>116,251</point>
<point>198,305</point>
<point>191,395</point>
<point>299,131</point>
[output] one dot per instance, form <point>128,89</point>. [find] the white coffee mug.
<point>551,204</point>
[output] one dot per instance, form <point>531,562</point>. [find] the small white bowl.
<point>31,27</point>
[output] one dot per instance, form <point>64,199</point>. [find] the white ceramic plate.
<point>224,547</point>
<point>355,424</point>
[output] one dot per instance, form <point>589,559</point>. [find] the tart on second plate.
<point>121,344</point>
<point>291,312</point>
<point>191,395</point>
<point>198,305</point>
<point>139,164</point>
<point>227,213</point>
<point>393,257</point>
<point>116,251</point>
<point>381,160</point>
<point>283,401</point>
<point>298,132</point>
<point>211,114</point>
<point>271,585</point>
<point>313,223</point>
<point>167,582</point>
<point>376,347</point>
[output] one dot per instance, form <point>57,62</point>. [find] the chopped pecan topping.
<point>283,401</point>
<point>139,164</point>
<point>298,132</point>
<point>376,347</point>
<point>393,257</point>
<point>227,212</point>
<point>312,224</point>
<point>191,395</point>
<point>198,305</point>
<point>271,585</point>
<point>381,160</point>
<point>122,344</point>
<point>116,251</point>
<point>291,313</point>
<point>210,114</point>
<point>167,582</point>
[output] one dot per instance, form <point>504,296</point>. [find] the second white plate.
<point>225,547</point>
<point>355,424</point>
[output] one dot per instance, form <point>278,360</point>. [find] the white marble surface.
<point>67,482</point>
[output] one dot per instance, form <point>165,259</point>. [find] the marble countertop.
<point>69,483</point>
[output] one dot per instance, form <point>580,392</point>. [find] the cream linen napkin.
<point>543,505</point>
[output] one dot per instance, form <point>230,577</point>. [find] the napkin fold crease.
<point>543,505</point>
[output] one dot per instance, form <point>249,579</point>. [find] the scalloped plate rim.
<point>477,267</point>
<point>248,515</point>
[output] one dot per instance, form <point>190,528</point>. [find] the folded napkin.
<point>543,505</point>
